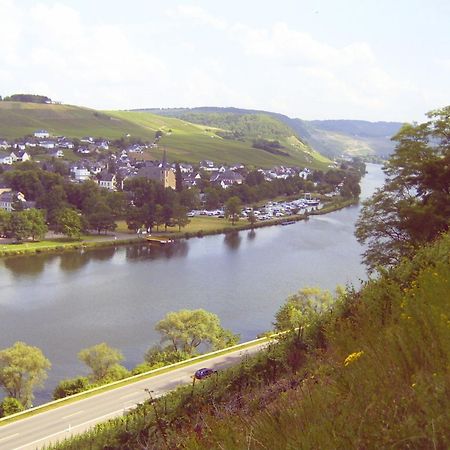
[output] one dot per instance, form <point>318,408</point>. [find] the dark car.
<point>204,373</point>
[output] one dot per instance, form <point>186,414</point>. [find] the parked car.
<point>204,372</point>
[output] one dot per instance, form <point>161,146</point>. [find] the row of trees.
<point>23,368</point>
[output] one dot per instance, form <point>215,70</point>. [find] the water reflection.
<point>251,235</point>
<point>28,266</point>
<point>232,240</point>
<point>152,252</point>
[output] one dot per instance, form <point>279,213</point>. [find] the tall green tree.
<point>102,359</point>
<point>302,308</point>
<point>186,329</point>
<point>413,206</point>
<point>180,217</point>
<point>36,222</point>
<point>19,226</point>
<point>233,208</point>
<point>22,369</point>
<point>5,218</point>
<point>69,223</point>
<point>102,219</point>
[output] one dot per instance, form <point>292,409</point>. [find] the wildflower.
<point>353,357</point>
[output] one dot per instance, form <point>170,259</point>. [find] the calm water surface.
<point>63,303</point>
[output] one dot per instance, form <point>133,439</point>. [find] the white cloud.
<point>322,73</point>
<point>197,14</point>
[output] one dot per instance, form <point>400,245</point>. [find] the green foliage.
<point>31,98</point>
<point>69,223</point>
<point>71,387</point>
<point>412,208</point>
<point>233,208</point>
<point>102,360</point>
<point>10,405</point>
<point>27,223</point>
<point>186,329</point>
<point>22,369</point>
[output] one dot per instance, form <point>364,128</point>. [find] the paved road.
<point>62,422</point>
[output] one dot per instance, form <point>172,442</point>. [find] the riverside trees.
<point>186,329</point>
<point>413,206</point>
<point>22,369</point>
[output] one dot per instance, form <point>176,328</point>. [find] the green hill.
<point>184,141</point>
<point>18,119</point>
<point>331,138</point>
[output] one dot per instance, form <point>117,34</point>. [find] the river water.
<point>64,303</point>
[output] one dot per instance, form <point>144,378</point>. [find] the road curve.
<point>68,420</point>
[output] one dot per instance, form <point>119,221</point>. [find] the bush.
<point>71,387</point>
<point>10,405</point>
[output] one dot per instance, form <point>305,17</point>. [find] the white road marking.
<point>9,437</point>
<point>71,415</point>
<point>69,429</point>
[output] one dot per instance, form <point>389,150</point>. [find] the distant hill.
<point>329,137</point>
<point>18,119</point>
<point>184,141</point>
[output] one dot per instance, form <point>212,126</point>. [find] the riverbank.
<point>198,227</point>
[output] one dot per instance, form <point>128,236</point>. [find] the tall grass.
<point>373,372</point>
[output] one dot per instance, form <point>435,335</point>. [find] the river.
<point>64,303</point>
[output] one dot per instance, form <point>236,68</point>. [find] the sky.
<point>326,59</point>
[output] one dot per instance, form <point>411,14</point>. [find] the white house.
<point>20,156</point>
<point>49,145</point>
<point>7,198</point>
<point>108,181</point>
<point>6,158</point>
<point>81,173</point>
<point>41,134</point>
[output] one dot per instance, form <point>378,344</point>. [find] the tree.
<point>22,369</point>
<point>69,223</point>
<point>5,219</point>
<point>412,207</point>
<point>180,217</point>
<point>302,308</point>
<point>252,219</point>
<point>37,228</point>
<point>212,200</point>
<point>159,216</point>
<point>233,207</point>
<point>19,226</point>
<point>102,219</point>
<point>101,359</point>
<point>186,329</point>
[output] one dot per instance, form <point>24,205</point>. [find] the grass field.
<point>184,141</point>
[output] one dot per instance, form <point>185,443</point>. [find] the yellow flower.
<point>353,357</point>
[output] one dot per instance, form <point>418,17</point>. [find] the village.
<point>110,164</point>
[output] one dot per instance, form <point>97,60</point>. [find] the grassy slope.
<point>187,142</point>
<point>372,373</point>
<point>20,119</point>
<point>193,142</point>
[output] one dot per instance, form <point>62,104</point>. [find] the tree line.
<point>23,368</point>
